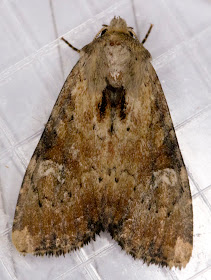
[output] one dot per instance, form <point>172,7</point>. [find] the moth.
<point>108,159</point>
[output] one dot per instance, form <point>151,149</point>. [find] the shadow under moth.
<point>108,159</point>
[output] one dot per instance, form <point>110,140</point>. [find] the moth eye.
<point>131,34</point>
<point>103,32</point>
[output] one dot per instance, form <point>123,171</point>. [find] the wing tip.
<point>27,244</point>
<point>177,257</point>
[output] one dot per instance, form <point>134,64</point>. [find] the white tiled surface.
<point>33,67</point>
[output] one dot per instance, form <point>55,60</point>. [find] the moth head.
<point>118,24</point>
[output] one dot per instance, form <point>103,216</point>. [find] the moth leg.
<point>75,49</point>
<point>147,35</point>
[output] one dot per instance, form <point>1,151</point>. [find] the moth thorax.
<point>118,58</point>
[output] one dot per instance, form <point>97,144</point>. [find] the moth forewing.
<point>108,159</point>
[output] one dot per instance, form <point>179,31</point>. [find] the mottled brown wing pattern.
<point>53,210</point>
<point>158,220</point>
<point>108,159</point>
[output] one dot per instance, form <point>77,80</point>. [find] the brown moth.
<point>108,159</point>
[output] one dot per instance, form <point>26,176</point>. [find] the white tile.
<point>102,242</point>
<point>58,60</point>
<point>27,147</point>
<point>116,264</point>
<point>200,49</point>
<point>4,143</point>
<point>185,91</point>
<point>163,36</point>
<point>80,274</point>
<point>192,187</point>
<point>195,139</point>
<point>48,267</point>
<point>7,268</point>
<point>207,193</point>
<point>36,20</point>
<point>193,16</point>
<point>11,178</point>
<point>5,275</point>
<point>14,45</point>
<point>206,275</point>
<point>26,100</point>
<point>80,11</point>
<point>44,20</point>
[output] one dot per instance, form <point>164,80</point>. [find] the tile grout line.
<point>6,231</point>
<point>28,59</point>
<point>184,40</point>
<point>19,25</point>
<point>24,141</point>
<point>29,39</point>
<point>57,36</point>
<point>19,145</point>
<point>93,256</point>
<point>135,19</point>
<point>7,132</point>
<point>188,43</point>
<point>200,191</point>
<point>185,43</point>
<point>201,272</point>
<point>52,45</point>
<point>3,264</point>
<point>193,117</point>
<point>10,138</point>
<point>45,49</point>
<point>83,259</point>
<point>173,275</point>
<point>93,273</point>
<point>161,60</point>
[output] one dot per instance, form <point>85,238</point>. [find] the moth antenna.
<point>99,32</point>
<point>147,35</point>
<point>75,49</point>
